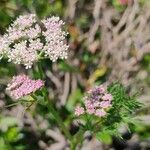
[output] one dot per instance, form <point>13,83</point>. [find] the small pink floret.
<point>90,110</point>
<point>100,113</point>
<point>79,111</point>
<point>107,97</point>
<point>102,89</point>
<point>105,104</point>
<point>89,105</point>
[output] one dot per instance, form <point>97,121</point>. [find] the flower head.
<point>26,40</point>
<point>55,46</point>
<point>97,101</point>
<point>22,85</point>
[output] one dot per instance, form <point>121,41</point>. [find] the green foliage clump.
<point>120,114</point>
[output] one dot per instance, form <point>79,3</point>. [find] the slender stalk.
<point>19,102</point>
<point>40,70</point>
<point>51,108</point>
<point>10,105</point>
<point>59,121</point>
<point>56,116</point>
<point>77,139</point>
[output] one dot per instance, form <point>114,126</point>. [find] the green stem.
<point>77,139</point>
<point>59,120</point>
<point>51,108</point>
<point>10,105</point>
<point>19,102</point>
<point>56,116</point>
<point>40,70</point>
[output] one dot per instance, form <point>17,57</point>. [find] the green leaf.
<point>12,134</point>
<point>67,67</point>
<point>40,100</point>
<point>73,99</point>
<point>3,145</point>
<point>104,137</point>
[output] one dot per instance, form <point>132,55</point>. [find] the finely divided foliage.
<point>104,111</point>
<point>27,40</point>
<point>122,111</point>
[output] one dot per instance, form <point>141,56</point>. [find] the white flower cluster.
<point>54,36</point>
<point>26,40</point>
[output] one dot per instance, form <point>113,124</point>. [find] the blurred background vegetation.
<point>109,41</point>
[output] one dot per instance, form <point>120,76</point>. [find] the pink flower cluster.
<point>97,101</point>
<point>22,85</point>
<point>27,39</point>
